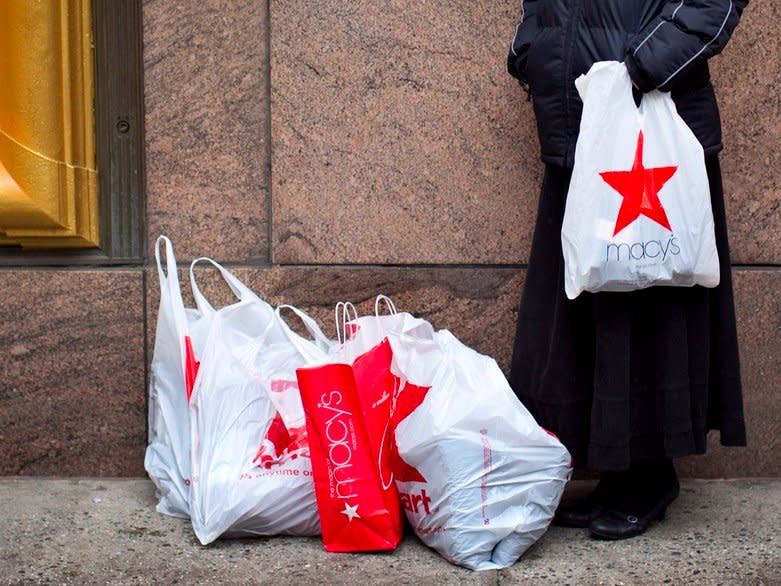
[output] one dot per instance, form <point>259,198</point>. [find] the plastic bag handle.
<point>238,288</point>
<point>170,261</point>
<point>627,90</point>
<point>321,342</point>
<point>346,310</point>
<point>619,72</point>
<point>169,280</point>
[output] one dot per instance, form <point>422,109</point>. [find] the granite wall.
<point>339,149</point>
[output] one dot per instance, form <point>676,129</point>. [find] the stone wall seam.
<point>147,344</point>
<point>269,169</point>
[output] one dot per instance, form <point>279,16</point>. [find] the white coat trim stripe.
<point>515,36</point>
<point>656,28</point>
<point>698,53</point>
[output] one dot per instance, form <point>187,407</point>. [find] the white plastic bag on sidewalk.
<point>489,478</point>
<point>279,353</point>
<point>179,340</point>
<point>251,472</point>
<point>638,208</point>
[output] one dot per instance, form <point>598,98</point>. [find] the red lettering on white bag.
<point>340,453</point>
<point>411,501</point>
<point>432,531</point>
<point>487,464</point>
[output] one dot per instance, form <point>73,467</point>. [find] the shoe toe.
<point>575,518</point>
<point>578,514</point>
<point>616,525</point>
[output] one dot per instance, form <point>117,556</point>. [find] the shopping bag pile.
<point>348,401</point>
<point>256,429</point>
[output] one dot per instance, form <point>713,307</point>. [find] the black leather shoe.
<point>632,519</point>
<point>581,513</point>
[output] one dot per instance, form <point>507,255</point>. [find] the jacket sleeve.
<point>525,32</point>
<point>685,32</point>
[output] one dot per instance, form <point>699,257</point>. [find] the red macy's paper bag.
<point>376,387</point>
<point>353,514</point>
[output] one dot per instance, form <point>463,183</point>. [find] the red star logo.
<point>640,189</point>
<point>191,366</point>
<point>406,402</point>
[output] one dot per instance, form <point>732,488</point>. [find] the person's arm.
<point>685,32</point>
<point>524,34</point>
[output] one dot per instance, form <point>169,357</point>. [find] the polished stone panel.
<point>206,126</point>
<point>398,135</point>
<point>72,391</point>
<point>747,77</point>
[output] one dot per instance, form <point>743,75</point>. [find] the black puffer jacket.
<point>664,43</point>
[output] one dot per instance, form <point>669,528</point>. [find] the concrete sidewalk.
<point>98,531</point>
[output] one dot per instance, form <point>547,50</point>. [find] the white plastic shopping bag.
<point>251,471</point>
<point>276,356</point>
<point>479,479</point>
<point>179,340</point>
<point>638,209</point>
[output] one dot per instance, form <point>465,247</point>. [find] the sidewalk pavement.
<point>100,531</point>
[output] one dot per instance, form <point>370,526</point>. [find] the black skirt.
<point>626,376</point>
